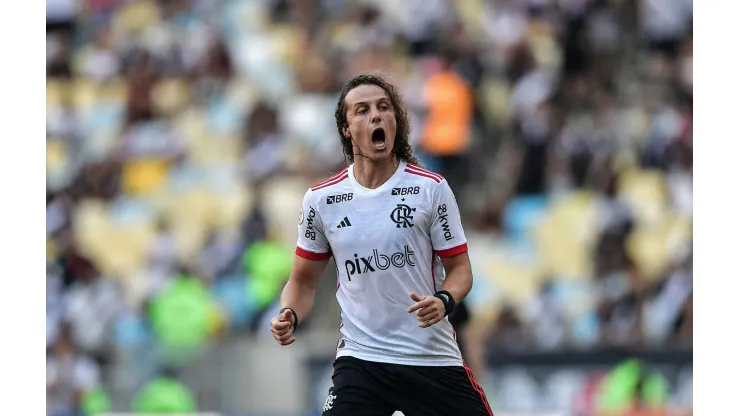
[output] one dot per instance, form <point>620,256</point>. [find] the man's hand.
<point>429,309</point>
<point>282,328</point>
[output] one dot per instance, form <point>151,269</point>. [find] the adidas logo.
<point>345,223</point>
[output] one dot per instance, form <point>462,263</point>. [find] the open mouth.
<point>378,138</point>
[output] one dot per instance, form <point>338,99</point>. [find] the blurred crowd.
<point>182,134</point>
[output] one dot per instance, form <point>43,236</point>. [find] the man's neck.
<point>372,174</point>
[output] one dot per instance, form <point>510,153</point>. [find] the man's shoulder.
<point>333,181</point>
<point>422,175</point>
<point>416,178</point>
<point>335,189</point>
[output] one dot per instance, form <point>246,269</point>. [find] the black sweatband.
<point>448,300</point>
<point>295,317</point>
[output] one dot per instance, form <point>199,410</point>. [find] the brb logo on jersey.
<point>310,218</point>
<point>411,190</point>
<point>335,199</point>
<point>402,215</point>
<point>377,261</point>
<point>442,212</point>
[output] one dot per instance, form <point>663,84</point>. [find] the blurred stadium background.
<point>182,134</point>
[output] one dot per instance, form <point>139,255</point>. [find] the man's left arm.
<point>449,243</point>
<point>459,276</point>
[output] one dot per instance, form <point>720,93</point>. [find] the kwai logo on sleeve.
<point>444,222</point>
<point>310,232</point>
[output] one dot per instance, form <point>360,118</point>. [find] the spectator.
<point>68,376</point>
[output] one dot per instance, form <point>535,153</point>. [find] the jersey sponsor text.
<point>377,261</point>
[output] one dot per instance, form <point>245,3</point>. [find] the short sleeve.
<point>312,243</point>
<point>448,238</point>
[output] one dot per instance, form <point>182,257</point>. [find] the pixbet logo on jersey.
<point>377,261</point>
<point>442,212</point>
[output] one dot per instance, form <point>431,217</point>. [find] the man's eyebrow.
<point>366,102</point>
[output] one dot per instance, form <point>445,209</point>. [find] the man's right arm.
<point>312,254</point>
<point>298,294</point>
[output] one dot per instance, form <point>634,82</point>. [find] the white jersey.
<point>386,243</point>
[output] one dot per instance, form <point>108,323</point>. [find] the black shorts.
<point>365,388</point>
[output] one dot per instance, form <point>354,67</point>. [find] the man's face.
<point>372,121</point>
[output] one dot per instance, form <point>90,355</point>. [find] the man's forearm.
<point>298,296</point>
<point>458,283</point>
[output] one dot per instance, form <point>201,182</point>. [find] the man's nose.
<point>374,116</point>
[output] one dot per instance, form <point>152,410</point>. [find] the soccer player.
<point>394,231</point>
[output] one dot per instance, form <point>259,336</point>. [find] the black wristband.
<point>295,317</point>
<point>448,300</point>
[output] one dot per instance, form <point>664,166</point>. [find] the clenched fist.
<point>282,327</point>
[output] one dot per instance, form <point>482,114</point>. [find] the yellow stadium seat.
<point>135,287</point>
<point>170,95</point>
<point>102,142</point>
<point>578,212</point>
<point>544,45</point>
<point>143,176</point>
<point>115,90</point>
<point>645,192</point>
<point>78,59</point>
<point>136,240</point>
<point>56,155</point>
<point>242,93</point>
<point>625,159</point>
<point>233,207</point>
<point>190,238</point>
<point>51,250</point>
<point>212,150</point>
<point>104,242</point>
<point>566,235</point>
<point>483,316</point>
<point>647,247</point>
<point>94,234</point>
<point>653,248</point>
<point>192,217</point>
<point>218,320</point>
<point>518,282</point>
<point>281,202</point>
<point>117,250</point>
<point>225,149</point>
<point>287,42</point>
<point>561,253</point>
<point>679,232</point>
<point>85,93</point>
<point>135,17</point>
<point>495,97</point>
<point>469,12</point>
<point>192,126</point>
<point>637,125</point>
<point>252,16</point>
<point>56,92</point>
<point>204,152</point>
